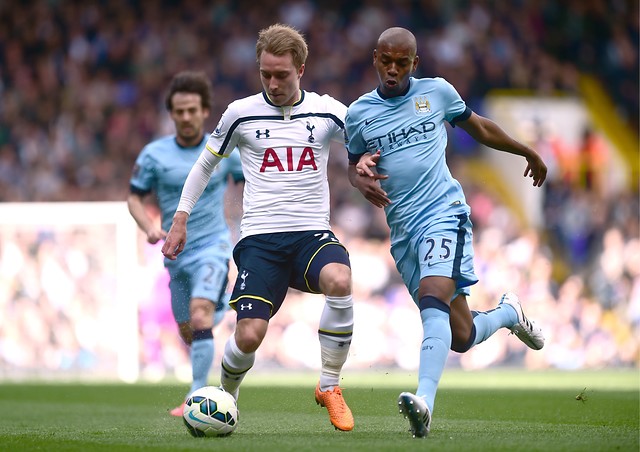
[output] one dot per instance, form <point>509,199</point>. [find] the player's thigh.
<point>314,250</point>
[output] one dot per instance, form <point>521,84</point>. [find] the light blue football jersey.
<point>162,168</point>
<point>410,132</point>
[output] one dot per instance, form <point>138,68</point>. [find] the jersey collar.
<point>404,93</point>
<point>267,100</point>
<point>199,145</point>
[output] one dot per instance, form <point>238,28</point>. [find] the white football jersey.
<point>284,153</point>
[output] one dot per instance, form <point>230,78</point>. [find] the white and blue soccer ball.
<point>210,411</point>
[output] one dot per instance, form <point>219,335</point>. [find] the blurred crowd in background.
<point>82,86</point>
<point>82,82</point>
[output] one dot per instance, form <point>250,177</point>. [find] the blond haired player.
<point>283,135</point>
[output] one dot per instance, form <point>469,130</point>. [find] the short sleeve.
<point>454,106</point>
<point>143,174</point>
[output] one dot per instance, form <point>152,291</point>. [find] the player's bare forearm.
<point>177,236</point>
<point>136,209</point>
<point>490,134</point>
<point>144,222</point>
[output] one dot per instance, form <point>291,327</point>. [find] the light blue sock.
<point>434,349</point>
<point>488,322</point>
<point>201,358</point>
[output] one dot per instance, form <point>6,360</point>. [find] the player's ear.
<point>416,60</point>
<point>301,71</point>
<point>375,56</point>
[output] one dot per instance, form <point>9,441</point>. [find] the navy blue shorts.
<point>268,264</point>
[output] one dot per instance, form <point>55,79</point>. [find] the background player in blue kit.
<point>199,280</point>
<point>399,128</point>
<point>284,136</point>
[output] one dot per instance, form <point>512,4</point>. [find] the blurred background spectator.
<point>81,91</point>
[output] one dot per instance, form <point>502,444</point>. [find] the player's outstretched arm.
<point>490,134</point>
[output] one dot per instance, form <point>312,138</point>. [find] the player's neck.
<point>188,143</point>
<point>294,100</point>
<point>387,95</point>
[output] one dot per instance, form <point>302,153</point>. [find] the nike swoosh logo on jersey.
<point>368,121</point>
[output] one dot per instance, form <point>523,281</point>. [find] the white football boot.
<point>524,329</point>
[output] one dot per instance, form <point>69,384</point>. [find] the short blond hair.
<point>279,39</point>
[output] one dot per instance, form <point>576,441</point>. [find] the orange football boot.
<point>177,411</point>
<point>339,413</point>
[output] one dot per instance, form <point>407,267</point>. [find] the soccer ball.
<point>210,411</point>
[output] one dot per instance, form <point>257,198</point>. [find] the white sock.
<point>334,331</point>
<point>235,365</point>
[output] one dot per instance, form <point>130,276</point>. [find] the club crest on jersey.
<point>243,277</point>
<point>310,129</point>
<point>422,104</point>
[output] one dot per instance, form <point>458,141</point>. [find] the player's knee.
<point>337,283</point>
<point>201,319</point>
<point>462,343</point>
<point>248,340</point>
<point>201,322</point>
<point>201,314</point>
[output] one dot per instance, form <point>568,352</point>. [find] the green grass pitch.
<point>504,410</point>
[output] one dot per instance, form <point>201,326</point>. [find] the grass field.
<point>479,411</point>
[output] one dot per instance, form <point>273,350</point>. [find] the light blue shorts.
<point>199,274</point>
<point>444,248</point>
